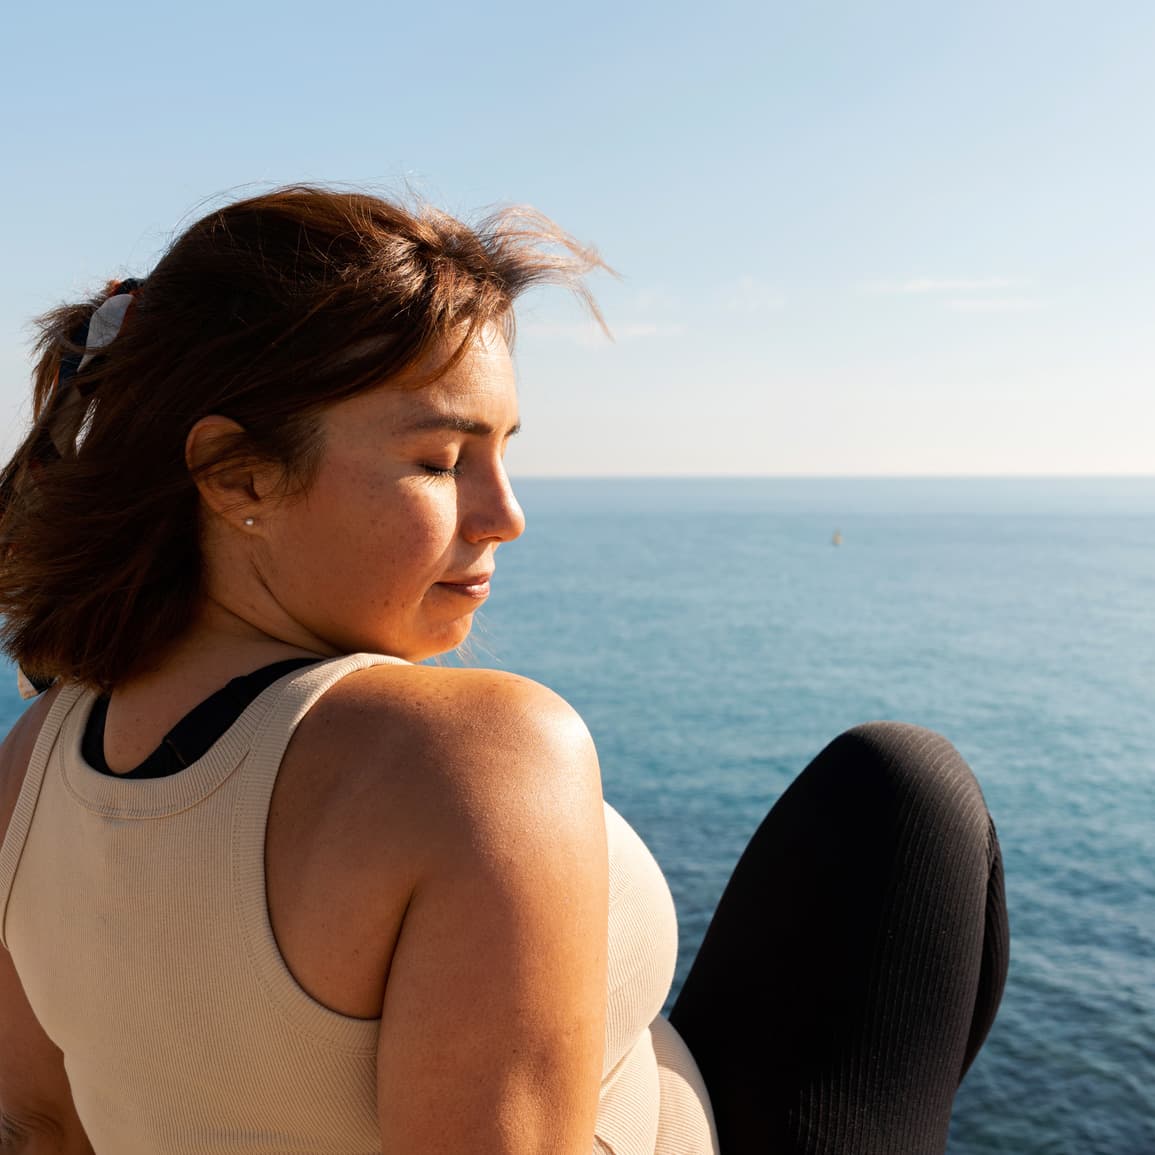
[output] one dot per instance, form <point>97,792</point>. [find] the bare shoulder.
<point>460,745</point>
<point>426,689</point>
<point>453,716</point>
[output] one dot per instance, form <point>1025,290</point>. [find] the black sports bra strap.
<point>195,733</point>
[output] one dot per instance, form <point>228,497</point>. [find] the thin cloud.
<point>629,332</point>
<point>576,333</point>
<point>923,285</point>
<point>654,299</point>
<point>590,335</point>
<point>995,305</point>
<point>750,295</point>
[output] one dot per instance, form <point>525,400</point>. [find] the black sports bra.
<point>192,736</point>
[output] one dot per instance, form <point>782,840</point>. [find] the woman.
<point>268,885</point>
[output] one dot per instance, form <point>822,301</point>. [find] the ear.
<point>236,491</point>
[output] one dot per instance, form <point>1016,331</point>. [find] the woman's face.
<point>391,548</point>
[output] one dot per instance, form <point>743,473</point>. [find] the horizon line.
<point>517,476</point>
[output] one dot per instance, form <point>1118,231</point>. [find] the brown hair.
<point>265,311</point>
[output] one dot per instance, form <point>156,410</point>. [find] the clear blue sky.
<point>889,238</point>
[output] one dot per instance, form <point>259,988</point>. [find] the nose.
<point>495,514</point>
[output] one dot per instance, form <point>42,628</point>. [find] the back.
<point>136,914</point>
<point>155,1015</point>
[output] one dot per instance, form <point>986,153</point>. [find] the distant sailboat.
<point>837,538</point>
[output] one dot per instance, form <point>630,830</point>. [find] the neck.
<point>219,646</point>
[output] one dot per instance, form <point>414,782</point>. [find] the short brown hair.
<point>265,311</point>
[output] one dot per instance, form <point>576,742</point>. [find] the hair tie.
<point>97,333</point>
<point>71,392</point>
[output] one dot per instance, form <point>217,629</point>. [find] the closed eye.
<point>440,471</point>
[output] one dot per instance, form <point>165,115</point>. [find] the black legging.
<point>857,957</point>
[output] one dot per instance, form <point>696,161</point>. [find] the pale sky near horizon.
<point>854,239</point>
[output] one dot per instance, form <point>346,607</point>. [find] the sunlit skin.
<point>435,851</point>
<point>391,547</point>
<point>380,554</point>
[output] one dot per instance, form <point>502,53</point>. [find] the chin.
<point>459,639</point>
<point>445,641</point>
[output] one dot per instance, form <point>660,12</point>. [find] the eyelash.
<point>437,471</point>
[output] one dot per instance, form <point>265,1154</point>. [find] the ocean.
<point>715,639</point>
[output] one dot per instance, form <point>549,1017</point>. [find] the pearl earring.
<point>249,521</point>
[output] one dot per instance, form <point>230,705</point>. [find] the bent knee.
<point>910,772</point>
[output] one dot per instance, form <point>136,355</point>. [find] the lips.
<point>470,586</point>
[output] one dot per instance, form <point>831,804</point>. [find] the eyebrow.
<point>456,424</point>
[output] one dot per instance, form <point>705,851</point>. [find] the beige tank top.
<point>135,914</point>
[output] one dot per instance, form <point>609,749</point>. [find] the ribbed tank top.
<point>135,913</point>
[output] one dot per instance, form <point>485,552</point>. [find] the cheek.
<point>386,535</point>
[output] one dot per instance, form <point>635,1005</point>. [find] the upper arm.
<point>492,1024</point>
<point>35,1097</point>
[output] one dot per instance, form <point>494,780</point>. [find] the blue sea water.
<point>714,640</point>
